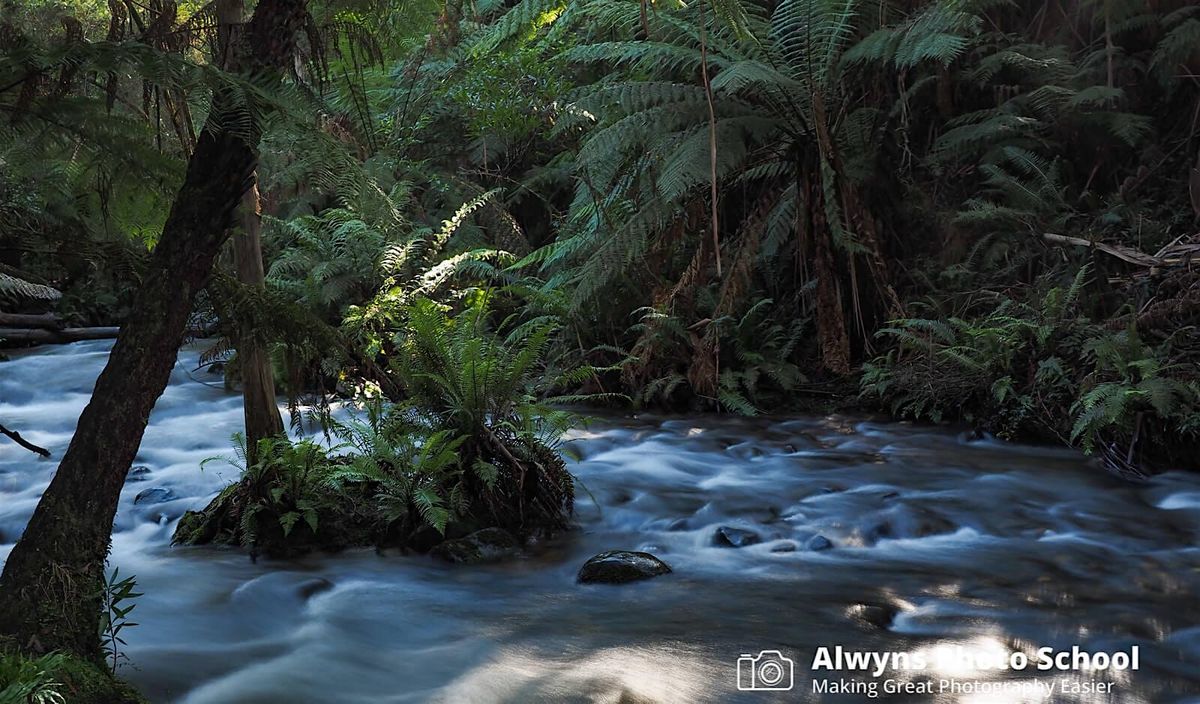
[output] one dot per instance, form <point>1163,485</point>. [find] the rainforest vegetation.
<point>466,217</point>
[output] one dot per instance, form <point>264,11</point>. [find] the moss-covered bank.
<point>59,678</point>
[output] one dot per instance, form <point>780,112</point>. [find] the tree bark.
<point>50,588</point>
<point>712,143</point>
<point>258,380</point>
<point>254,362</point>
<point>832,336</point>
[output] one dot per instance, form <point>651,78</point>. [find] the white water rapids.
<point>936,541</point>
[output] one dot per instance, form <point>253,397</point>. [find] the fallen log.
<point>11,284</point>
<point>48,321</point>
<point>56,337</point>
<point>1126,254</point>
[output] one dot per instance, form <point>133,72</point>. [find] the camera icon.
<point>769,671</point>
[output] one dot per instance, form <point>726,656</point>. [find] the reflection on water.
<point>936,541</point>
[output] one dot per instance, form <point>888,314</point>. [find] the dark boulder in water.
<point>154,495</point>
<point>729,537</point>
<point>312,587</point>
<point>876,615</point>
<point>784,546</point>
<point>481,546</point>
<point>140,473</point>
<point>621,566</point>
<point>819,542</point>
<point>908,522</point>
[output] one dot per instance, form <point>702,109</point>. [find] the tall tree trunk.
<point>254,362</point>
<point>258,379</point>
<point>832,336</point>
<point>856,214</point>
<point>50,588</point>
<point>712,141</point>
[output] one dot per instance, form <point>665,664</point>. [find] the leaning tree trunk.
<point>50,588</point>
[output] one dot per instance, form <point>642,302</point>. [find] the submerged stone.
<point>784,546</point>
<point>140,473</point>
<point>481,546</point>
<point>154,495</point>
<point>908,522</point>
<point>729,537</point>
<point>877,615</point>
<point>819,542</point>
<point>312,587</point>
<point>620,567</point>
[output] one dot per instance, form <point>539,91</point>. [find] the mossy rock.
<point>216,524</point>
<point>485,545</point>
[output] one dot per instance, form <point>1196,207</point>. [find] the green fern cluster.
<point>471,440</point>
<point>1131,394</point>
<point>754,355</point>
<point>281,503</point>
<point>1040,370</point>
<point>1010,368</point>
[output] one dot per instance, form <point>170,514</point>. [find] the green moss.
<point>88,683</point>
<point>76,681</point>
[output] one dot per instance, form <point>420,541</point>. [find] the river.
<point>937,541</point>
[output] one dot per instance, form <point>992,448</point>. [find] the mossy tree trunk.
<point>50,587</point>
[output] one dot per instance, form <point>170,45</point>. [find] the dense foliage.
<point>472,446</point>
<point>25,681</point>
<point>986,207</point>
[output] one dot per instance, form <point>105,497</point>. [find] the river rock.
<point>818,543</point>
<point>140,473</point>
<point>481,546</point>
<point>908,522</point>
<point>313,587</point>
<point>154,495</point>
<point>729,537</point>
<point>876,615</point>
<point>878,532</point>
<point>784,546</point>
<point>621,566</point>
<point>678,524</point>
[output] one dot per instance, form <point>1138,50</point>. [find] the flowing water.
<point>938,541</point>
